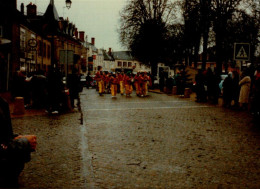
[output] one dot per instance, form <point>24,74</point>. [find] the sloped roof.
<point>123,55</point>
<point>107,56</point>
<point>51,12</point>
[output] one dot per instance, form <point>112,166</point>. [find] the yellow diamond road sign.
<point>242,51</point>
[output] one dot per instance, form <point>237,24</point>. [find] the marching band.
<point>123,83</point>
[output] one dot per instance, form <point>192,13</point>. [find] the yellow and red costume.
<point>100,82</point>
<point>137,84</point>
<point>113,83</point>
<point>128,86</point>
<point>121,83</point>
<point>145,85</point>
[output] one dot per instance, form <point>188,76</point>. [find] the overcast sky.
<point>98,18</point>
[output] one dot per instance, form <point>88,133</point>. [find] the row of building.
<point>35,42</point>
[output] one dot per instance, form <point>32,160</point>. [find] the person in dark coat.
<point>227,91</point>
<point>39,90</point>
<point>212,81</point>
<point>161,80</point>
<point>74,86</point>
<point>15,150</point>
<point>200,87</point>
<point>236,88</point>
<point>54,88</point>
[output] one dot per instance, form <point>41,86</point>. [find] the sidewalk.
<point>28,112</point>
<point>192,96</point>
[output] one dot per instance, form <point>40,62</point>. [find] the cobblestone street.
<point>156,142</point>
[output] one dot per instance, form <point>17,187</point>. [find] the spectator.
<point>200,87</point>
<point>54,87</point>
<point>39,90</point>
<point>245,84</point>
<point>15,150</point>
<point>227,91</point>
<point>74,87</point>
<point>235,88</point>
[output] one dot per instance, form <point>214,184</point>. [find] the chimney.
<point>93,41</point>
<point>31,10</point>
<point>81,36</point>
<point>109,51</point>
<point>76,33</point>
<point>22,9</point>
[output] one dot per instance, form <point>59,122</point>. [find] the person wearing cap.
<point>114,81</point>
<point>100,81</point>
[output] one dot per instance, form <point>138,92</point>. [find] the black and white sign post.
<point>241,52</point>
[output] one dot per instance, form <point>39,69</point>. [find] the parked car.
<point>83,81</point>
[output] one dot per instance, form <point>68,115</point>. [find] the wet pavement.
<point>156,142</point>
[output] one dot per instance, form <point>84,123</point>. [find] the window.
<point>124,64</point>
<point>22,39</point>
<point>119,64</point>
<point>129,64</point>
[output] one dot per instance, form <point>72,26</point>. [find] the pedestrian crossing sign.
<point>242,51</point>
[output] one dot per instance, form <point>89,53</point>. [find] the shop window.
<point>119,64</point>
<point>124,64</point>
<point>129,64</point>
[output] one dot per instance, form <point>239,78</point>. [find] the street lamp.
<point>68,4</point>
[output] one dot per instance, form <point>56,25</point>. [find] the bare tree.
<point>144,28</point>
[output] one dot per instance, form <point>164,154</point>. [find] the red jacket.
<point>114,80</point>
<point>98,76</point>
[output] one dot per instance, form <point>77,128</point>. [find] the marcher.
<point>145,84</point>
<point>245,85</point>
<point>127,83</point>
<point>15,150</point>
<point>100,82</point>
<point>113,83</point>
<point>121,77</point>
<point>137,84</point>
<point>227,91</point>
<point>141,84</point>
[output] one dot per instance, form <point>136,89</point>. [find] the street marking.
<point>87,168</point>
<point>152,108</point>
<point>149,102</point>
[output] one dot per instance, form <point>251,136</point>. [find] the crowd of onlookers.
<point>46,90</point>
<point>239,90</point>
